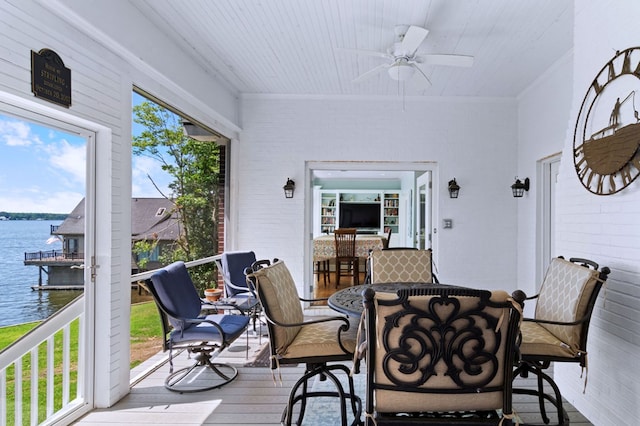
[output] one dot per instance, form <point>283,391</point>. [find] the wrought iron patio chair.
<point>558,331</point>
<point>315,342</point>
<point>440,355</point>
<point>184,328</point>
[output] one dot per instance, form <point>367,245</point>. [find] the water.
<point>18,302</point>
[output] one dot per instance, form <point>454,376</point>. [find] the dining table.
<point>324,247</point>
<point>348,301</point>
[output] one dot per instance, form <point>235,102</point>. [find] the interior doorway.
<point>393,186</point>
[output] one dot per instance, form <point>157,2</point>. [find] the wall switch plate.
<point>448,223</point>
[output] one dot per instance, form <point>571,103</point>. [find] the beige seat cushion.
<point>321,339</point>
<point>278,294</point>
<point>564,297</point>
<point>392,401</point>
<point>388,266</point>
<point>537,340</point>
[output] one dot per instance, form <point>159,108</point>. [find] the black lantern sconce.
<point>289,187</point>
<point>454,188</point>
<point>520,187</point>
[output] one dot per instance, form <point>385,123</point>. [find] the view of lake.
<point>18,302</point>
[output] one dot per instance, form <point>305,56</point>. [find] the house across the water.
<point>152,219</point>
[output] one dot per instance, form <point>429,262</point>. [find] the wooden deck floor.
<point>252,399</point>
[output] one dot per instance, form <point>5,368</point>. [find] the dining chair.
<point>558,331</point>
<point>185,328</point>
<point>401,265</point>
<point>321,343</point>
<point>440,355</point>
<point>385,243</point>
<point>347,263</point>
<point>321,268</point>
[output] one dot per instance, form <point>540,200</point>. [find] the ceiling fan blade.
<point>412,39</point>
<point>445,60</point>
<point>365,52</point>
<point>420,81</point>
<point>371,73</point>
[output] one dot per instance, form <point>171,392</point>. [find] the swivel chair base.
<point>536,369</point>
<point>189,379</point>
<point>324,371</point>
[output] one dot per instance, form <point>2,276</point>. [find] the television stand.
<point>367,231</point>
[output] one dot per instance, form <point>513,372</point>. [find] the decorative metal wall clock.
<point>606,140</point>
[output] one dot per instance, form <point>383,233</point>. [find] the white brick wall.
<point>603,228</point>
<point>472,140</point>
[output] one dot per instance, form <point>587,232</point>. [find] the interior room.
<point>494,95</point>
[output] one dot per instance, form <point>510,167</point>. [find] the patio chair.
<point>232,265</point>
<point>440,355</point>
<point>184,328</point>
<point>558,331</point>
<point>401,265</point>
<point>345,240</point>
<point>315,342</point>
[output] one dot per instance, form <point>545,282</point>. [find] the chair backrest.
<point>233,264</point>
<point>568,294</point>
<point>281,304</point>
<point>385,243</point>
<point>345,239</point>
<point>439,348</point>
<point>401,265</point>
<point>175,294</point>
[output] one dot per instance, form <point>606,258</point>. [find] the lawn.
<point>146,340</point>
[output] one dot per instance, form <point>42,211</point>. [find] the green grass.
<point>146,339</point>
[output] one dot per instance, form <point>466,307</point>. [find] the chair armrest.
<point>572,323</point>
<point>321,299</point>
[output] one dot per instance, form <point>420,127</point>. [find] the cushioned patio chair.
<point>315,342</point>
<point>232,265</point>
<point>558,331</point>
<point>184,328</point>
<point>440,355</point>
<point>401,265</point>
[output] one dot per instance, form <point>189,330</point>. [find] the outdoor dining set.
<point>431,353</point>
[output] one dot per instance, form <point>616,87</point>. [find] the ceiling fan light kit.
<point>401,71</point>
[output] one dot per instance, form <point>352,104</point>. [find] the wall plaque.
<point>50,79</point>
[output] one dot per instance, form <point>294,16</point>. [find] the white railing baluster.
<point>51,365</point>
<point>66,343</point>
<point>34,386</point>
<point>17,379</point>
<point>3,398</point>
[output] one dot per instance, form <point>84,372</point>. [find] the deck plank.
<point>252,399</point>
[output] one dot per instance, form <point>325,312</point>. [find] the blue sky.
<point>43,170</point>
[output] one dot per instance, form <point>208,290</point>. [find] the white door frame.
<point>310,166</point>
<point>95,135</point>
<point>547,176</point>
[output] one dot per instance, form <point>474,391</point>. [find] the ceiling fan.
<point>404,61</point>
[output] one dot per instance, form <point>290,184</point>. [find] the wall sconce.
<point>289,187</point>
<point>519,187</point>
<point>454,188</point>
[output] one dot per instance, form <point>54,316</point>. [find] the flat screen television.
<point>363,216</point>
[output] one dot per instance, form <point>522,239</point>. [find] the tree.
<point>194,167</point>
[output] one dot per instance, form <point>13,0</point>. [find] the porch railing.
<point>40,363</point>
<point>28,366</point>
<point>52,255</point>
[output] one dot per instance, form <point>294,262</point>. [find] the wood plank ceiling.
<point>289,47</point>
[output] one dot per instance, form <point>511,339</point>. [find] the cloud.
<point>35,201</point>
<point>142,167</point>
<point>70,159</point>
<point>17,133</point>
